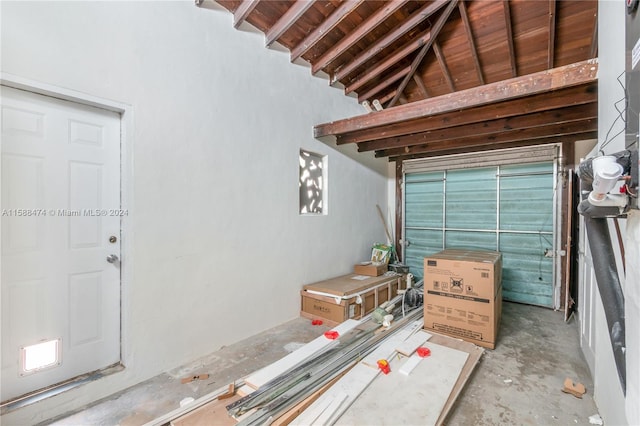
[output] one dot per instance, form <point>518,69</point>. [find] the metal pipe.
<point>604,265</point>
<point>604,262</point>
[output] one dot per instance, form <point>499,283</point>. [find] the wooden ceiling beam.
<point>420,15</point>
<point>594,38</point>
<point>553,130</point>
<point>384,84</point>
<point>357,34</point>
<point>537,103</point>
<point>386,97</point>
<point>541,82</point>
<point>443,66</point>
<point>243,11</point>
<point>388,62</point>
<point>423,88</point>
<point>491,146</point>
<point>510,44</point>
<point>472,45</point>
<point>487,128</point>
<point>552,33</point>
<point>324,28</point>
<point>442,19</point>
<point>287,20</point>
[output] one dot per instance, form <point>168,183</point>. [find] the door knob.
<point>112,258</point>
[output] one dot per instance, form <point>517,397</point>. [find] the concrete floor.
<point>518,383</point>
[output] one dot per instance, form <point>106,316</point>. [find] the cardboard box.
<point>347,297</point>
<point>369,269</point>
<point>463,294</point>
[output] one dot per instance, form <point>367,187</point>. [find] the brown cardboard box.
<point>336,300</point>
<point>368,268</point>
<point>463,294</point>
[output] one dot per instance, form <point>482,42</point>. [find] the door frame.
<point>126,203</point>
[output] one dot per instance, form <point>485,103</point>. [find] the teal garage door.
<point>494,206</point>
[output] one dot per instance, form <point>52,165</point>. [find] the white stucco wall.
<point>218,250</point>
<point>611,57</point>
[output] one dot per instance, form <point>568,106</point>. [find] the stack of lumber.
<point>327,387</point>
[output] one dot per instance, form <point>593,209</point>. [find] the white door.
<point>587,299</point>
<point>60,221</point>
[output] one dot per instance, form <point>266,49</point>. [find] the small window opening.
<point>40,356</point>
<point>312,183</point>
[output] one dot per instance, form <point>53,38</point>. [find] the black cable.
<point>620,116</point>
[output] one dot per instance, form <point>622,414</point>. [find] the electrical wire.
<point>620,116</point>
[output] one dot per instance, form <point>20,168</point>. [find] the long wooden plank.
<point>358,378</point>
<point>475,353</point>
<point>212,413</point>
<point>420,15</point>
<point>260,377</point>
<point>243,11</point>
<point>290,415</point>
<point>509,37</point>
<point>357,34</point>
<point>590,134</point>
<point>417,61</point>
<point>565,129</point>
<point>566,76</point>
<point>388,81</point>
<point>391,60</point>
<point>573,96</point>
<point>324,28</point>
<point>428,388</point>
<point>287,20</point>
<point>488,128</point>
<point>472,45</point>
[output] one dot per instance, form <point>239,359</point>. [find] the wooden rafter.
<point>287,20</point>
<point>420,15</point>
<point>421,86</point>
<point>386,97</point>
<point>487,128</point>
<point>594,39</point>
<point>384,84</point>
<point>241,13</point>
<point>553,130</point>
<point>541,82</point>
<point>491,145</point>
<point>352,38</point>
<point>578,95</point>
<point>472,45</point>
<point>323,29</point>
<point>443,66</point>
<point>442,19</point>
<point>552,33</point>
<point>510,44</point>
<point>388,62</point>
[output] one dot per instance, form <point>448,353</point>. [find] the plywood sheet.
<point>214,412</point>
<point>428,387</point>
<point>475,353</point>
<point>349,284</point>
<point>355,381</point>
<point>408,347</point>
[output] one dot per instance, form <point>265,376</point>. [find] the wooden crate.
<point>336,300</point>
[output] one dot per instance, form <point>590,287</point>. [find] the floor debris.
<point>230,392</point>
<point>596,419</point>
<point>575,389</point>
<point>194,378</point>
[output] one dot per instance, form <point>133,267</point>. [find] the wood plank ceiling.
<point>446,76</point>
